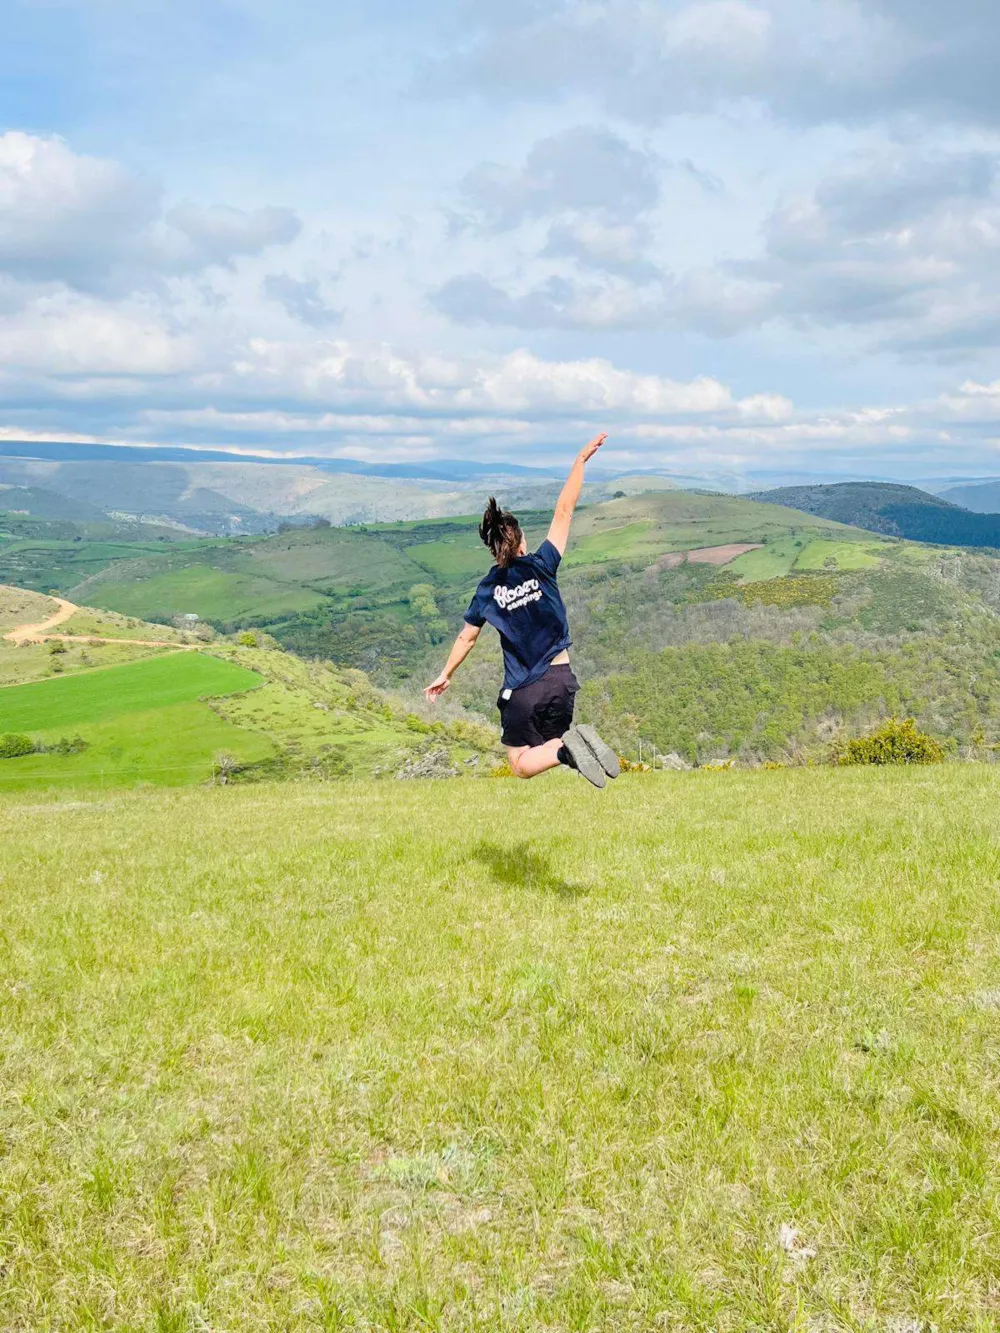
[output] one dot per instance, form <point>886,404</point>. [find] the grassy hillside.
<point>816,632</point>
<point>21,662</point>
<point>121,712</point>
<point>714,1052</point>
<point>646,526</point>
<point>778,664</point>
<point>97,695</point>
<point>348,594</point>
<point>899,511</point>
<point>20,606</point>
<point>37,502</point>
<point>141,721</point>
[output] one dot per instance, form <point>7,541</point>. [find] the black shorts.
<point>541,711</point>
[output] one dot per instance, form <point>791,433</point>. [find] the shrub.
<point>68,745</point>
<point>894,742</point>
<point>13,746</point>
<point>247,639</point>
<point>57,646</point>
<point>502,770</point>
<point>781,593</point>
<point>225,765</point>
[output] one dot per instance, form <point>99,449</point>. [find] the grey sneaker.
<point>582,757</point>
<point>606,757</point>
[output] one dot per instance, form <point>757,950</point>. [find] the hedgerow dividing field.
<point>715,1051</point>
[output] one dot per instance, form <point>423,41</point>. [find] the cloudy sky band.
<point>478,226</point>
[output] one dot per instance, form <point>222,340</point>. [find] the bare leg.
<point>528,761</point>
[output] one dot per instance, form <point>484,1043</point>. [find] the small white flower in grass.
<point>791,1242</point>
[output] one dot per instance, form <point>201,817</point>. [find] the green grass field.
<point>844,556</point>
<point>714,1052</point>
<point>44,564</point>
<point>806,553</point>
<point>644,527</point>
<point>213,594</point>
<point>772,561</point>
<point>98,695</point>
<point>173,745</point>
<point>143,721</point>
<point>335,559</point>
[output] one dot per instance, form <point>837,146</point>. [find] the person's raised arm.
<point>570,494</point>
<point>463,646</point>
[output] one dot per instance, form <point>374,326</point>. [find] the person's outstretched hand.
<point>589,450</point>
<point>437,687</point>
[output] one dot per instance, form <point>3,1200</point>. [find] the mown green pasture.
<point>142,722</point>
<point>211,593</point>
<point>170,746</point>
<point>773,561</point>
<point>334,559</point>
<point>844,556</point>
<point>43,564</point>
<point>95,696</point>
<point>714,1051</point>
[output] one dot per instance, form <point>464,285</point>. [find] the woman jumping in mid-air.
<point>521,599</point>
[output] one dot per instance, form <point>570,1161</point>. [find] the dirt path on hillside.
<point>40,633</point>
<point>36,633</point>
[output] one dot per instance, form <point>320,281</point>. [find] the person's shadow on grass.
<point>521,867</point>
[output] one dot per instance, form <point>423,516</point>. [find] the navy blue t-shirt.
<point>524,604</point>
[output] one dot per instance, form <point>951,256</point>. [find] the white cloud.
<point>587,169</point>
<point>220,234</point>
<point>372,400</point>
<point>302,299</point>
<point>907,246</point>
<point>901,249</point>
<point>806,61</point>
<point>69,338</point>
<point>724,28</point>
<point>89,224</point>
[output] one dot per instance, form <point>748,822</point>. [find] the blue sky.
<point>744,236</point>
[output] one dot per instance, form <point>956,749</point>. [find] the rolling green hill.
<point>716,626</point>
<point>120,712</point>
<point>898,511</point>
<point>348,593</point>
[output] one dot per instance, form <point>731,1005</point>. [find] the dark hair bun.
<point>501,532</point>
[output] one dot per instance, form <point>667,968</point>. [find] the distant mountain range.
<point>442,469</point>
<point>893,510</point>
<point>217,492</point>
<point>982,497</point>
